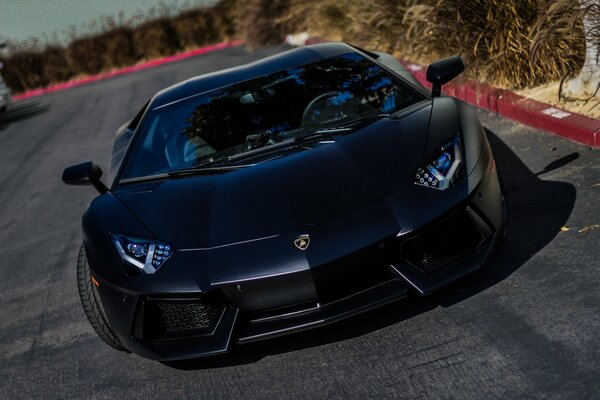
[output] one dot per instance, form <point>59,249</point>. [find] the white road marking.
<point>556,113</point>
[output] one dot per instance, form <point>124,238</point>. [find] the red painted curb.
<point>572,126</point>
<point>134,68</point>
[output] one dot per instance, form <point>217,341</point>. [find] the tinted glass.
<point>263,111</point>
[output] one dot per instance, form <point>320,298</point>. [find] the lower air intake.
<point>180,316</point>
<point>166,319</point>
<point>443,242</point>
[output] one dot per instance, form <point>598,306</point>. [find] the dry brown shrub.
<point>205,25</point>
<point>30,61</point>
<point>117,46</point>
<point>260,22</point>
<point>495,36</point>
<point>85,55</point>
<point>122,42</point>
<point>513,43</point>
<point>55,65</point>
<point>155,38</point>
<point>558,38</point>
<point>194,28</point>
<point>93,54</point>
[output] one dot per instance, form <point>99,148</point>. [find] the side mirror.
<point>443,71</point>
<point>87,173</point>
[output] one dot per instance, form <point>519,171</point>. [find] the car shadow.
<point>21,110</point>
<point>537,210</point>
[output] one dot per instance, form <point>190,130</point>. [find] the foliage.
<point>503,40</point>
<point>120,43</point>
<point>511,43</point>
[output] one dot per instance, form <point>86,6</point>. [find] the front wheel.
<point>90,299</point>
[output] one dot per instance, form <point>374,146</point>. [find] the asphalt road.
<point>525,327</point>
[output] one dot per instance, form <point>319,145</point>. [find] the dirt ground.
<point>548,93</point>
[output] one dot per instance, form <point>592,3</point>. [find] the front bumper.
<point>425,259</point>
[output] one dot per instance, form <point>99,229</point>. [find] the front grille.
<point>181,316</point>
<point>442,243</point>
<point>165,319</point>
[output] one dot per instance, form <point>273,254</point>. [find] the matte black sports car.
<point>284,195</point>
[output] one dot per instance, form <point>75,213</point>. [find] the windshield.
<point>220,126</point>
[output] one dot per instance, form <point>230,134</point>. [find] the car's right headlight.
<point>443,168</point>
<point>144,254</point>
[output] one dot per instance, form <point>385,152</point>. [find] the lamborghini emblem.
<point>302,242</point>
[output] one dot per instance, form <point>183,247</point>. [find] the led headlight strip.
<point>440,172</point>
<point>146,255</point>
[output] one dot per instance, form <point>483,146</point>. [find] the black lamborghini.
<point>284,195</point>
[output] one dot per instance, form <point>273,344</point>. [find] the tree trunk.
<point>587,83</point>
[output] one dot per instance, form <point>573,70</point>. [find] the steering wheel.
<point>313,102</point>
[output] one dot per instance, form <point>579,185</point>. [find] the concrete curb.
<point>572,126</point>
<point>127,70</point>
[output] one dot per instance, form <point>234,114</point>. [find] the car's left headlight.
<point>443,168</point>
<point>144,254</point>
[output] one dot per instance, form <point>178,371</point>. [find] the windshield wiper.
<point>294,142</point>
<point>352,124</point>
<point>186,172</point>
<point>347,127</point>
<point>262,149</point>
<point>207,170</point>
<point>285,144</point>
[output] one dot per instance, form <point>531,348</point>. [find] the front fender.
<point>450,116</point>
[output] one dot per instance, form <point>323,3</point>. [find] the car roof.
<point>289,59</point>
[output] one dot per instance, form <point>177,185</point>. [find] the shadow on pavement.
<point>537,210</point>
<point>21,110</point>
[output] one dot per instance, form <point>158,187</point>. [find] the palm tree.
<point>587,82</point>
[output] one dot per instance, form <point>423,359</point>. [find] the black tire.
<point>92,305</point>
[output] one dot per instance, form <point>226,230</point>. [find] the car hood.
<point>305,188</point>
